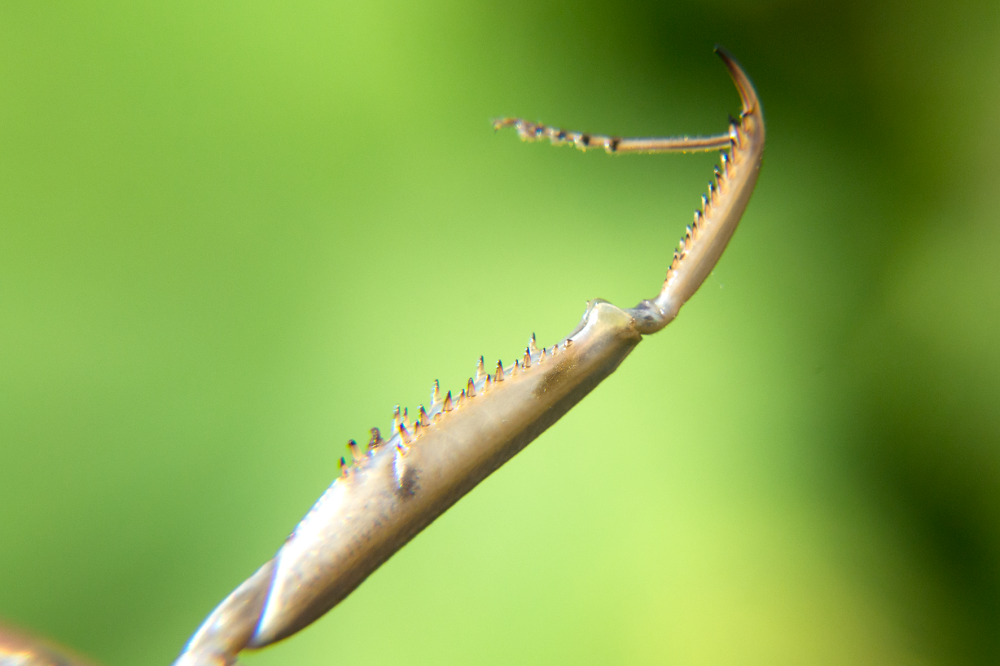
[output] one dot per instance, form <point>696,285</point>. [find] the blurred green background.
<point>235,234</point>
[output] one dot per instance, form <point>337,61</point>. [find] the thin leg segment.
<point>529,131</point>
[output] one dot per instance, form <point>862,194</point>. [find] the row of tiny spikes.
<point>715,188</point>
<point>405,432</point>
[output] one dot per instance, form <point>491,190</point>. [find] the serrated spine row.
<point>406,432</point>
<point>716,188</point>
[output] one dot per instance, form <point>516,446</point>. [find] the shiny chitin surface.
<point>21,649</point>
<point>400,483</point>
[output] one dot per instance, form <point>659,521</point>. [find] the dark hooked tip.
<point>747,93</point>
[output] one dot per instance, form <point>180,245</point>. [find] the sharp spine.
<point>375,441</point>
<point>404,434</point>
<point>355,451</point>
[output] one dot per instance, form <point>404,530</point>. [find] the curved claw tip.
<point>748,96</point>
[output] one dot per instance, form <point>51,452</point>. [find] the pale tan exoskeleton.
<point>400,483</point>
<point>21,649</point>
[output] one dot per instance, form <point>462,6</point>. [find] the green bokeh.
<point>235,234</point>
